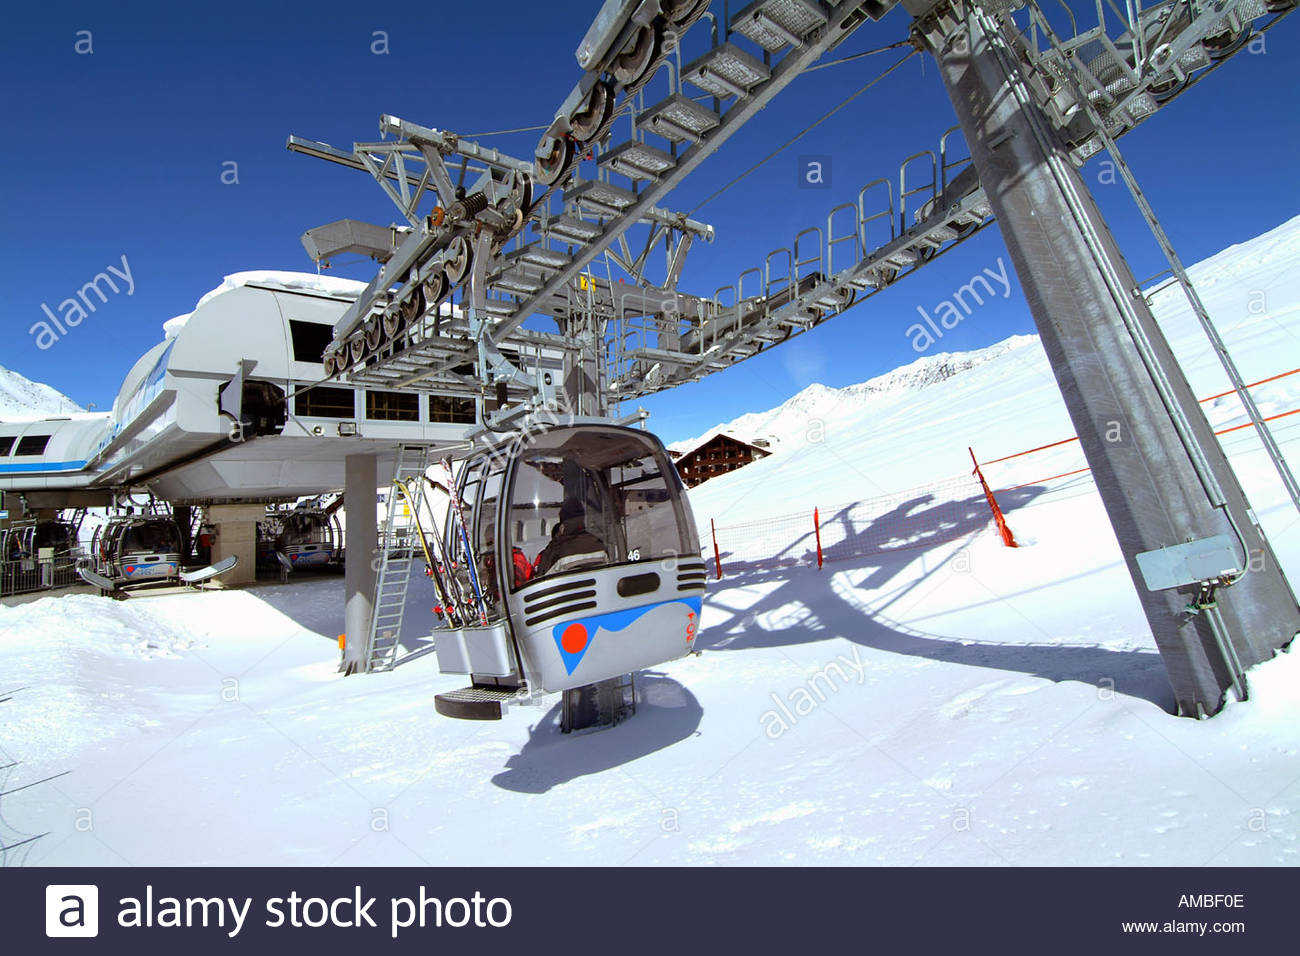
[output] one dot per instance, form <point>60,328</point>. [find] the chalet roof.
<point>710,439</point>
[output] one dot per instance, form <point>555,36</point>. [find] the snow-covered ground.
<point>961,704</point>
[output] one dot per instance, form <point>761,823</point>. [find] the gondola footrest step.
<point>477,702</point>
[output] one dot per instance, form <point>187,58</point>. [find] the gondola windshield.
<point>303,529</point>
<point>595,497</point>
<point>58,535</point>
<point>151,536</point>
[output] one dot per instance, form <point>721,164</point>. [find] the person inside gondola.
<point>521,571</point>
<point>572,546</point>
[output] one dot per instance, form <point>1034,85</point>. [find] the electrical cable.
<point>811,69</point>
<point>802,133</point>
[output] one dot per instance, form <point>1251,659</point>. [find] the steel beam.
<point>843,19</point>
<point>360,479</point>
<point>1162,475</point>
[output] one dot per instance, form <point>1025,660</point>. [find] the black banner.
<point>166,910</point>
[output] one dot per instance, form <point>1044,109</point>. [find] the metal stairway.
<point>396,560</point>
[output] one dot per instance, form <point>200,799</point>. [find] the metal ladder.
<point>396,559</point>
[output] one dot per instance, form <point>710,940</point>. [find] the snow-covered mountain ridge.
<point>791,417</point>
<point>20,397</point>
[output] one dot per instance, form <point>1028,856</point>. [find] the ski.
<point>471,565</point>
<point>466,598</point>
<point>450,608</point>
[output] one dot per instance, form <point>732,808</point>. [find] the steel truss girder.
<point>518,287</point>
<point>756,328</point>
<point>843,18</point>
<point>1150,70</point>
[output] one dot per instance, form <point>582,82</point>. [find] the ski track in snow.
<point>1007,708</point>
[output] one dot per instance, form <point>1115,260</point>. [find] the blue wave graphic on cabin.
<point>573,638</point>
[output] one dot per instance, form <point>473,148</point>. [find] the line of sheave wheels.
<point>639,49</point>
<point>634,56</point>
<point>1217,46</point>
<point>429,285</point>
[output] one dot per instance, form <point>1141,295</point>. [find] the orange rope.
<point>1270,418</point>
<point>1063,441</point>
<point>1079,471</point>
<point>1262,381</point>
<point>1202,401</point>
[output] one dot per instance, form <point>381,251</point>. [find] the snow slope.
<point>789,421</point>
<point>963,703</point>
<point>20,397</point>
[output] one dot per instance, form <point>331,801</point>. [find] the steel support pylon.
<point>359,567</point>
<point>1162,476</point>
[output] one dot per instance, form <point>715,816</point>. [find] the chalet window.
<point>325,402</point>
<point>32,445</point>
<point>393,406</point>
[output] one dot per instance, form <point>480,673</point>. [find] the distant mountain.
<point>20,397</point>
<point>816,401</point>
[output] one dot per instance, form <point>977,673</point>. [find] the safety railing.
<point>25,574</point>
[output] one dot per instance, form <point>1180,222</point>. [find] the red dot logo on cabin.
<point>574,638</point>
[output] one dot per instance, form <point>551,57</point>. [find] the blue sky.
<point>121,152</point>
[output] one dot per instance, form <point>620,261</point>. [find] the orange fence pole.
<point>817,529</point>
<point>998,518</point>
<point>717,558</point>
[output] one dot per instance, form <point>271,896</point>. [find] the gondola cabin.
<point>590,562</point>
<point>28,539</point>
<point>306,537</point>
<point>138,549</point>
<point>38,553</point>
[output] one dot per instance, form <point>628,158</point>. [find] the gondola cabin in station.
<point>138,549</point>
<point>302,537</point>
<point>29,538</point>
<point>590,564</point>
<point>38,553</point>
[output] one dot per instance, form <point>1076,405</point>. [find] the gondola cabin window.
<point>152,537</point>
<point>584,498</point>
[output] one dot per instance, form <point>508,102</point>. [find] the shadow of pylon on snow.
<point>884,547</point>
